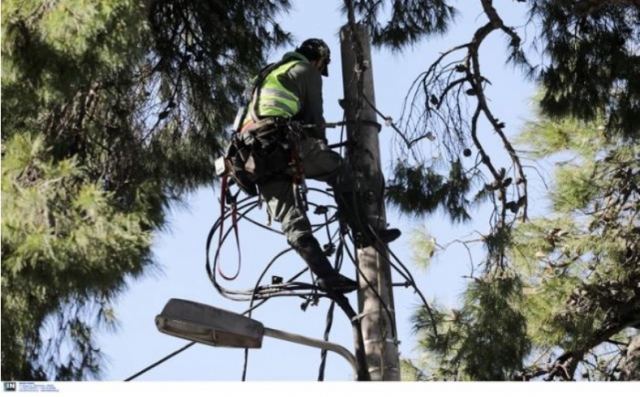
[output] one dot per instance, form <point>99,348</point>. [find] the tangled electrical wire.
<point>260,293</point>
<point>338,243</point>
<point>236,210</point>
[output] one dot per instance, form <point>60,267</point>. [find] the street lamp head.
<point>209,325</point>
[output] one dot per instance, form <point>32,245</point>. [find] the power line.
<point>162,360</point>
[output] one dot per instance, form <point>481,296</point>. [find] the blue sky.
<point>180,250</point>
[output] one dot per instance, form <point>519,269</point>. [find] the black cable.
<point>244,215</point>
<point>211,273</point>
<point>211,269</point>
<point>165,358</point>
<point>354,259</point>
<point>408,277</point>
<point>252,307</point>
<point>224,237</point>
<point>217,224</point>
<point>327,330</point>
<point>252,205</point>
<point>253,297</point>
<point>339,252</point>
<point>330,311</point>
<point>315,295</point>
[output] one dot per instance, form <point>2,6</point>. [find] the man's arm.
<point>309,86</point>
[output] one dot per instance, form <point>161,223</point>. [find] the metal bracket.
<point>364,314</point>
<point>393,341</point>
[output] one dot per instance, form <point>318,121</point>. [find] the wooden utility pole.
<point>375,294</point>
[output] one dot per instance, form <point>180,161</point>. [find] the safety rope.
<point>223,196</point>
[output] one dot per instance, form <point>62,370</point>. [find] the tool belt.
<point>260,151</point>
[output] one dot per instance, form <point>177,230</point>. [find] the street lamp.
<point>217,327</point>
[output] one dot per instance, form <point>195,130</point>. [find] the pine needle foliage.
<point>484,340</point>
<point>581,262</point>
<point>421,190</point>
<point>65,247</point>
<point>567,305</point>
<point>592,46</point>
<point>398,23</point>
<point>111,111</point>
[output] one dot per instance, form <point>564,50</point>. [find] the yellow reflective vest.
<point>274,99</point>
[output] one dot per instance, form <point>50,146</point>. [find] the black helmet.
<point>314,49</point>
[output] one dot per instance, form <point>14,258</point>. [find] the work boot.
<point>356,219</point>
<point>388,235</point>
<point>328,277</point>
<point>368,238</point>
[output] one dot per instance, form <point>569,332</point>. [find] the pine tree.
<point>512,317</point>
<point>592,48</point>
<point>568,305</point>
<point>111,110</point>
<point>581,262</point>
<point>66,251</point>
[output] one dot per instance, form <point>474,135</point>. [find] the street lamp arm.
<point>303,340</point>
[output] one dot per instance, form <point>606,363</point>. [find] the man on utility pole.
<point>280,140</point>
<point>375,296</point>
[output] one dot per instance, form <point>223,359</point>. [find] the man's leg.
<point>279,196</point>
<point>322,163</point>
